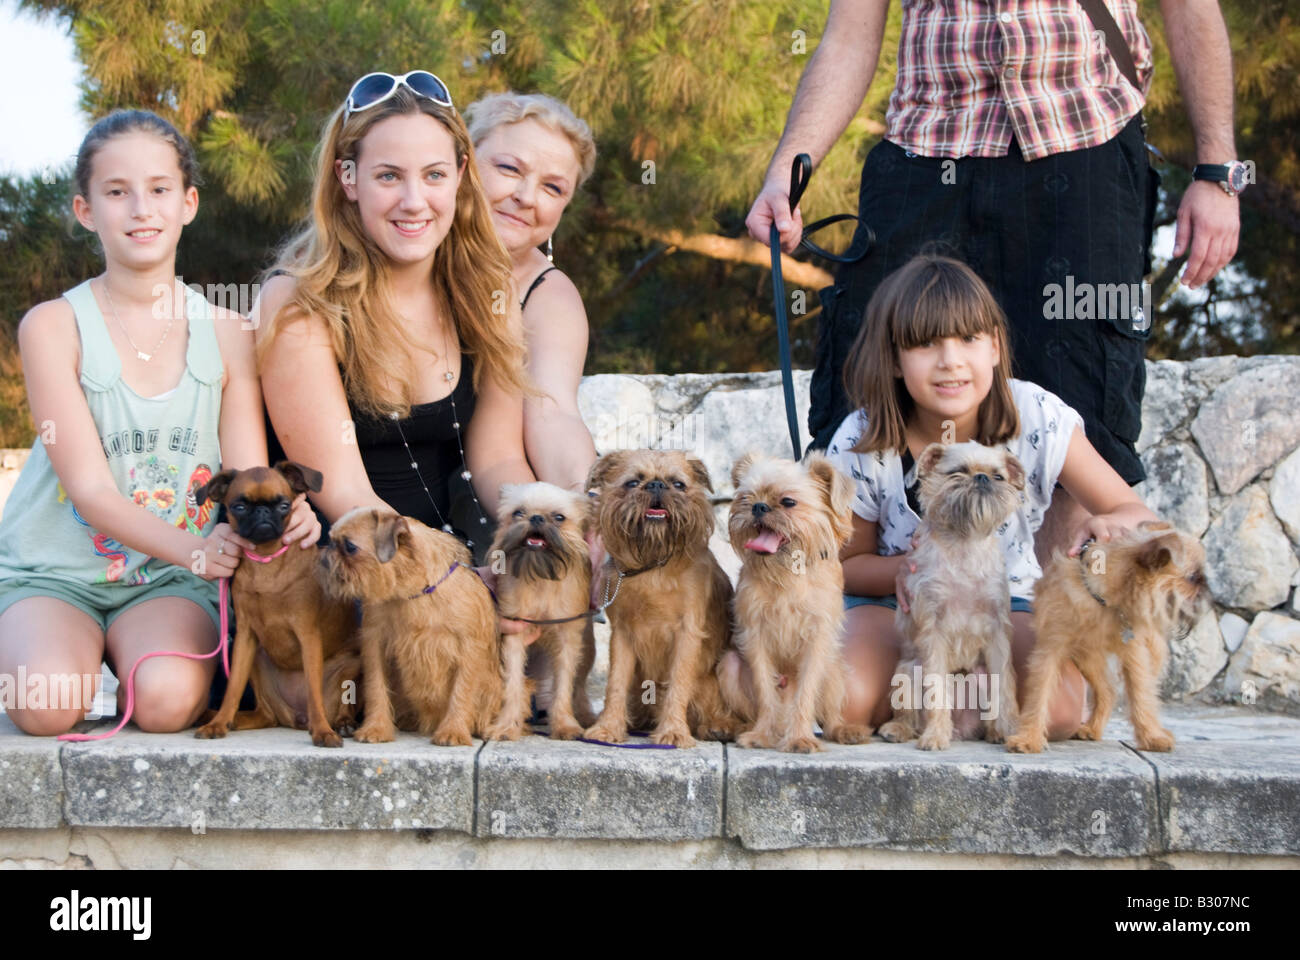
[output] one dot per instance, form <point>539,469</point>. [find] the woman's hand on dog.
<point>221,552</point>
<point>1100,527</point>
<point>304,525</point>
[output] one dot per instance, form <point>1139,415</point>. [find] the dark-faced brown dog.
<point>289,633</point>
<point>671,618</point>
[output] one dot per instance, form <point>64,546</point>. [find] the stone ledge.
<point>1232,786</point>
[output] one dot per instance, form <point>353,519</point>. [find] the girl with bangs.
<point>392,354</point>
<point>931,364</point>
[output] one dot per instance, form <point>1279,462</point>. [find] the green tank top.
<point>159,449</point>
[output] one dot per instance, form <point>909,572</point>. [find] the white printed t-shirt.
<point>1046,425</point>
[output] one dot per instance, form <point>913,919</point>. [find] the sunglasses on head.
<point>375,88</point>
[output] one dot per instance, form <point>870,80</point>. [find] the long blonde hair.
<point>343,276</point>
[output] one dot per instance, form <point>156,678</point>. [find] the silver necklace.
<point>146,357</point>
<point>460,444</point>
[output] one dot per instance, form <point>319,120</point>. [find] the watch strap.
<point>1211,171</point>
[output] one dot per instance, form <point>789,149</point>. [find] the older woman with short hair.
<point>533,154</point>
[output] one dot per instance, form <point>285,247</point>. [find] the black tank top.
<point>431,433</point>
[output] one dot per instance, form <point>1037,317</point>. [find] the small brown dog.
<point>546,575</point>
<point>428,627</point>
<point>1123,597</point>
<point>281,608</point>
<point>960,613</point>
<point>787,524</point>
<point>670,618</point>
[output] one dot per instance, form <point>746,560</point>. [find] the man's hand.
<point>1209,222</point>
<point>773,205</point>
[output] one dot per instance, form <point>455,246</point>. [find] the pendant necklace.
<point>460,444</point>
<point>146,357</point>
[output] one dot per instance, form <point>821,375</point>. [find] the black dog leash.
<point>800,172</point>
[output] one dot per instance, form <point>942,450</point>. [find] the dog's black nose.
<point>537,520</point>
<point>760,509</point>
<point>656,486</point>
<point>982,479</point>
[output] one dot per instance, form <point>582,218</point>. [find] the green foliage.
<point>698,88</point>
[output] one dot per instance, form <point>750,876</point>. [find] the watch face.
<point>1237,177</point>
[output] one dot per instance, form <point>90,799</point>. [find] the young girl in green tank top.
<point>140,391</point>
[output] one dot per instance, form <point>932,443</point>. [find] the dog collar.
<point>434,586</point>
<point>1127,633</point>
<point>267,559</point>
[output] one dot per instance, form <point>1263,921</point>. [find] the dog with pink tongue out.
<point>787,524</point>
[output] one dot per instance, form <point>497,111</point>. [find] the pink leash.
<point>223,646</point>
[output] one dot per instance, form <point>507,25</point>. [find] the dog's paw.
<point>585,715</point>
<point>1087,732</point>
<point>1162,741</point>
<point>721,729</point>
<point>930,740</point>
<point>1025,743</point>
<point>896,731</point>
<point>678,736</point>
<point>849,733</point>
<point>754,739</point>
<point>605,734</point>
<point>565,730</point>
<point>805,744</point>
<point>451,737</point>
<point>993,733</point>
<point>347,727</point>
<point>326,738</point>
<point>506,731</point>
<point>212,731</point>
<point>375,733</point>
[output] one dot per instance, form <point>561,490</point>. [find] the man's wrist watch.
<point>1231,176</point>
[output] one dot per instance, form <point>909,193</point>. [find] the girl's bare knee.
<point>170,701</point>
<point>45,723</point>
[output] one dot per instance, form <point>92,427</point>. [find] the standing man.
<point>1014,140</point>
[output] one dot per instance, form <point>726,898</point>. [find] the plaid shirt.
<point>973,72</point>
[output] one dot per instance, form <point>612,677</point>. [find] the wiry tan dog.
<point>671,617</point>
<point>1123,597</point>
<point>428,627</point>
<point>960,602</point>
<point>787,524</point>
<point>541,541</point>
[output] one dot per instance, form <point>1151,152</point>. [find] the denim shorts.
<point>1018,604</point>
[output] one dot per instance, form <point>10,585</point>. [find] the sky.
<point>40,118</point>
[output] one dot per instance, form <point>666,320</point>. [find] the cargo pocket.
<point>1124,380</point>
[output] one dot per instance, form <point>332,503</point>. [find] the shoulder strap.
<point>101,367</point>
<point>203,355</point>
<point>1115,42</point>
<point>524,302</point>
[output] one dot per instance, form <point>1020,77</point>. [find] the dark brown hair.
<point>134,121</point>
<point>928,298</point>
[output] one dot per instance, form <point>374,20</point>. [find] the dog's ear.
<point>389,531</point>
<point>741,467</point>
<point>838,491</point>
<point>1156,554</point>
<point>700,472</point>
<point>1015,472</point>
<point>504,499</point>
<point>300,478</point>
<point>929,459</point>
<point>215,489</point>
<point>605,467</point>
